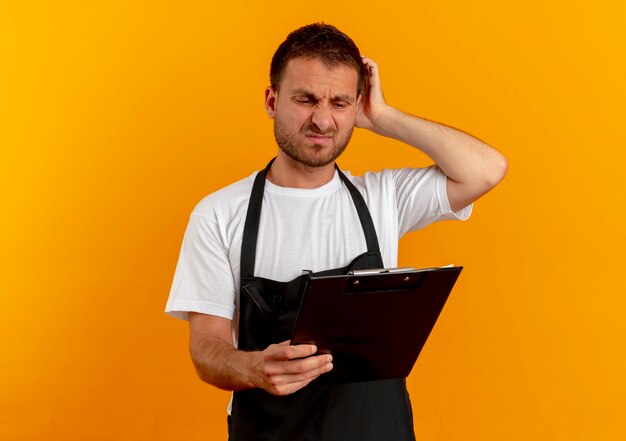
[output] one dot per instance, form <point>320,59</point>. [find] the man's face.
<point>314,110</point>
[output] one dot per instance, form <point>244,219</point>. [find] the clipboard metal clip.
<point>379,271</point>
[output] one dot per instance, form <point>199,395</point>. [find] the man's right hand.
<point>284,369</point>
<point>280,369</point>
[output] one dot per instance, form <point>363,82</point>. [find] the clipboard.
<point>374,322</point>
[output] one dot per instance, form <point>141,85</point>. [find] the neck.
<point>286,172</point>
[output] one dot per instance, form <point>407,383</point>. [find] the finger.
<point>301,376</point>
<point>296,367</point>
<point>290,388</point>
<point>284,351</point>
<point>369,62</point>
<point>372,70</point>
<point>288,383</point>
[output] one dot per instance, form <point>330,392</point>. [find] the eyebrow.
<point>310,95</point>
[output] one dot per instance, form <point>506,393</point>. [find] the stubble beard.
<point>289,144</point>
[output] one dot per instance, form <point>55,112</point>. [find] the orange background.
<point>117,117</point>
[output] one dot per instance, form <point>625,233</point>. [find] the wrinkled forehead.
<point>314,75</point>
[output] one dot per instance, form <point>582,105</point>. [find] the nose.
<point>323,118</point>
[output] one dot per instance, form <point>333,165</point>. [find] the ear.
<point>271,95</point>
<point>359,106</point>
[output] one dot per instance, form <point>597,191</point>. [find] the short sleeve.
<point>422,198</point>
<point>203,281</point>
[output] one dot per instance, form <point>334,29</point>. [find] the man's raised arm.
<point>472,166</point>
<point>280,369</point>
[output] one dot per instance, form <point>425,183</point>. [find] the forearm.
<point>462,157</point>
<point>218,363</point>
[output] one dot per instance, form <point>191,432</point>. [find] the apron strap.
<point>251,227</point>
<point>364,214</point>
<point>253,218</point>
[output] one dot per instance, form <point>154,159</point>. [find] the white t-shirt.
<point>300,229</point>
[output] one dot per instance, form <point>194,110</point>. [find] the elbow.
<point>497,171</point>
<point>200,358</point>
<point>199,367</point>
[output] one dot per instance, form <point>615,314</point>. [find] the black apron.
<point>374,410</point>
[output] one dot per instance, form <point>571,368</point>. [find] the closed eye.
<point>301,100</point>
<point>304,97</point>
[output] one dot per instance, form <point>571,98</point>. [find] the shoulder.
<point>371,179</point>
<point>395,179</point>
<point>226,202</point>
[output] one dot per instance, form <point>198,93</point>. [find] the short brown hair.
<point>317,40</point>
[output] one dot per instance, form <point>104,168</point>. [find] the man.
<point>238,276</point>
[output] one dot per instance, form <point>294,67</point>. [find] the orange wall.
<point>117,117</point>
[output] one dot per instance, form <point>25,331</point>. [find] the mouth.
<point>320,139</point>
